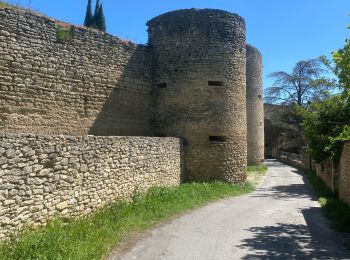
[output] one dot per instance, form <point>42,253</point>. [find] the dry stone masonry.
<point>86,83</point>
<point>87,119</point>
<point>255,107</point>
<point>344,178</point>
<point>199,65</point>
<point>47,176</point>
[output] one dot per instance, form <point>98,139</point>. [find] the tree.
<point>96,14</point>
<point>341,59</point>
<point>101,22</point>
<point>282,129</point>
<point>306,83</point>
<point>88,17</point>
<point>325,124</point>
<point>98,20</point>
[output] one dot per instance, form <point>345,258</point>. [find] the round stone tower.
<point>255,107</point>
<point>199,67</point>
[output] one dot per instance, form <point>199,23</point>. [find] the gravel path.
<point>280,220</point>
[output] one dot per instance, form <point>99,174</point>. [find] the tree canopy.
<point>305,83</point>
<point>88,17</point>
<point>98,20</point>
<point>341,59</point>
<point>327,123</point>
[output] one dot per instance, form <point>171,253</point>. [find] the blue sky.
<point>285,31</point>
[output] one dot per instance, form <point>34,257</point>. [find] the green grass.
<point>3,4</point>
<point>94,236</point>
<point>260,169</point>
<point>334,208</point>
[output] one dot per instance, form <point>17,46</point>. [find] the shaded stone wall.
<point>47,176</point>
<point>329,174</point>
<point>344,179</point>
<point>255,107</point>
<point>60,79</point>
<point>292,159</point>
<point>199,59</point>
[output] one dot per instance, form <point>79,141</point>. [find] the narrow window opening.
<point>217,139</point>
<point>260,96</point>
<point>162,85</point>
<point>215,83</point>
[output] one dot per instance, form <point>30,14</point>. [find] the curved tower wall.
<point>199,67</point>
<point>255,107</point>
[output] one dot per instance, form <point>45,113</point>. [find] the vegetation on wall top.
<point>98,20</point>
<point>63,33</point>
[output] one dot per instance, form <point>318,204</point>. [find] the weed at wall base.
<point>334,208</point>
<point>92,237</point>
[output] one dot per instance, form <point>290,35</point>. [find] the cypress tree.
<point>88,17</point>
<point>96,15</point>
<point>101,20</point>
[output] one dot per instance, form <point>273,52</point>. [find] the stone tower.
<point>199,70</point>
<point>255,107</point>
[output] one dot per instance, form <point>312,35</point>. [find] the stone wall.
<point>199,61</point>
<point>292,159</point>
<point>47,176</point>
<point>328,173</point>
<point>60,79</point>
<point>255,107</point>
<point>344,179</point>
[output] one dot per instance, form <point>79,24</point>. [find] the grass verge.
<point>260,169</point>
<point>255,173</point>
<point>334,208</point>
<point>92,237</point>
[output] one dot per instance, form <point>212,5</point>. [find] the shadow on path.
<point>290,241</point>
<point>293,241</point>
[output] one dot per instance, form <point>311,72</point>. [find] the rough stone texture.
<point>255,107</point>
<point>56,78</point>
<point>344,179</point>
<point>292,159</point>
<point>90,83</point>
<point>189,49</point>
<point>47,176</point>
<point>306,161</point>
<point>329,173</point>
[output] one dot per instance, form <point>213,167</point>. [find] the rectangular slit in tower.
<point>162,85</point>
<point>215,83</point>
<point>217,139</point>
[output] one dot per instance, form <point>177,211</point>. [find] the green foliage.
<point>98,20</point>
<point>64,34</point>
<point>101,21</point>
<point>341,59</point>
<point>334,208</point>
<point>326,124</point>
<point>88,17</point>
<point>92,237</point>
<point>96,14</point>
